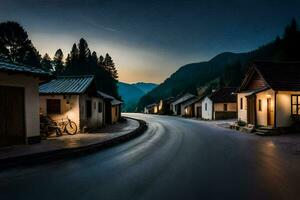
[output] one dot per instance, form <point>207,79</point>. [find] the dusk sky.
<point>149,40</point>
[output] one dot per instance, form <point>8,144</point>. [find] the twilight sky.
<point>149,40</point>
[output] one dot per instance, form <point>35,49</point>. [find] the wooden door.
<point>12,120</point>
<point>270,116</point>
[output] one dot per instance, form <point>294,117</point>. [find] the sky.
<point>150,40</point>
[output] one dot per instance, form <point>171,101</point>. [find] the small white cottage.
<point>176,105</point>
<point>269,96</point>
<point>73,97</point>
<point>221,104</point>
<point>19,103</point>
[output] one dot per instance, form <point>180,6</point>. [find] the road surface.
<point>175,159</point>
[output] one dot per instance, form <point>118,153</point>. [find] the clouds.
<point>171,32</point>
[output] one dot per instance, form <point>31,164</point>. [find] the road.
<point>175,159</point>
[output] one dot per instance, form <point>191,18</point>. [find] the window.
<point>295,104</point>
<point>225,107</point>
<point>99,107</point>
<point>241,103</point>
<point>205,106</point>
<point>53,106</point>
<point>88,104</point>
<point>259,105</point>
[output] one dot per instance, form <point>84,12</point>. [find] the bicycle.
<point>67,126</point>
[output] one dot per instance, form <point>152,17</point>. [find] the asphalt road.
<point>175,159</point>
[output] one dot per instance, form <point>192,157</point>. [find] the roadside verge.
<point>46,156</point>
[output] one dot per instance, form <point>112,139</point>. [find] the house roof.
<point>113,100</point>
<point>22,69</point>
<point>105,96</point>
<point>277,75</point>
<point>224,95</point>
<point>183,98</point>
<point>190,101</point>
<point>67,85</point>
<point>151,105</point>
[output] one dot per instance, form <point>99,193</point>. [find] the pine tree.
<point>46,63</point>
<point>16,46</point>
<point>58,61</point>
<point>109,65</point>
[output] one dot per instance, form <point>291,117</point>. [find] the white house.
<point>221,104</point>
<point>19,103</point>
<point>73,97</point>
<point>113,108</point>
<point>269,96</point>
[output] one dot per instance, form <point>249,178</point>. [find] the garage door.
<point>12,128</point>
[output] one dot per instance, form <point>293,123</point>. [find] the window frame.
<point>225,107</point>
<point>241,103</point>
<point>297,104</point>
<point>51,109</point>
<point>260,105</point>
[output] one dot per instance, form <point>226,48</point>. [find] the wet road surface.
<point>175,159</point>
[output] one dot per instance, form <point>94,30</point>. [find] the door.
<point>12,120</point>
<point>270,116</point>
<point>251,109</point>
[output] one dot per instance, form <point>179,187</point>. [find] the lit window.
<point>295,104</point>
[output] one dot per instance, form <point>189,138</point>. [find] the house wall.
<point>115,113</point>
<point>97,119</point>
<point>283,108</point>
<point>31,98</point>
<point>262,116</point>
<point>207,114</point>
<point>70,110</point>
<point>198,104</point>
<point>242,113</point>
<point>231,107</point>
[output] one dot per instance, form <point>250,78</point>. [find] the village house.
<point>151,109</point>
<point>269,96</point>
<point>19,103</point>
<point>164,106</point>
<point>177,107</point>
<point>220,104</point>
<point>113,108</point>
<point>189,107</point>
<point>75,98</point>
<point>198,107</point>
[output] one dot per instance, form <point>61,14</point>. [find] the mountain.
<point>225,69</point>
<point>131,93</point>
<point>145,87</point>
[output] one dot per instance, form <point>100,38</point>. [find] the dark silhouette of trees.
<point>46,63</point>
<point>15,45</point>
<point>58,61</point>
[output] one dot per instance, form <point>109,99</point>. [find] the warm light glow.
<point>268,96</point>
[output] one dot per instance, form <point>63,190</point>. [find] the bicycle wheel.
<point>71,128</point>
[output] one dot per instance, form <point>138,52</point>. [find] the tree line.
<point>16,47</point>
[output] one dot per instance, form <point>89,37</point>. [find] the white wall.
<point>70,110</point>
<point>242,113</point>
<point>31,98</point>
<point>207,114</point>
<point>96,120</point>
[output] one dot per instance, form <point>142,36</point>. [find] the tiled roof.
<point>18,68</point>
<point>67,85</point>
<point>280,75</point>
<point>224,95</point>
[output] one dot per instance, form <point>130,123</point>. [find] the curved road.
<point>175,159</point>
